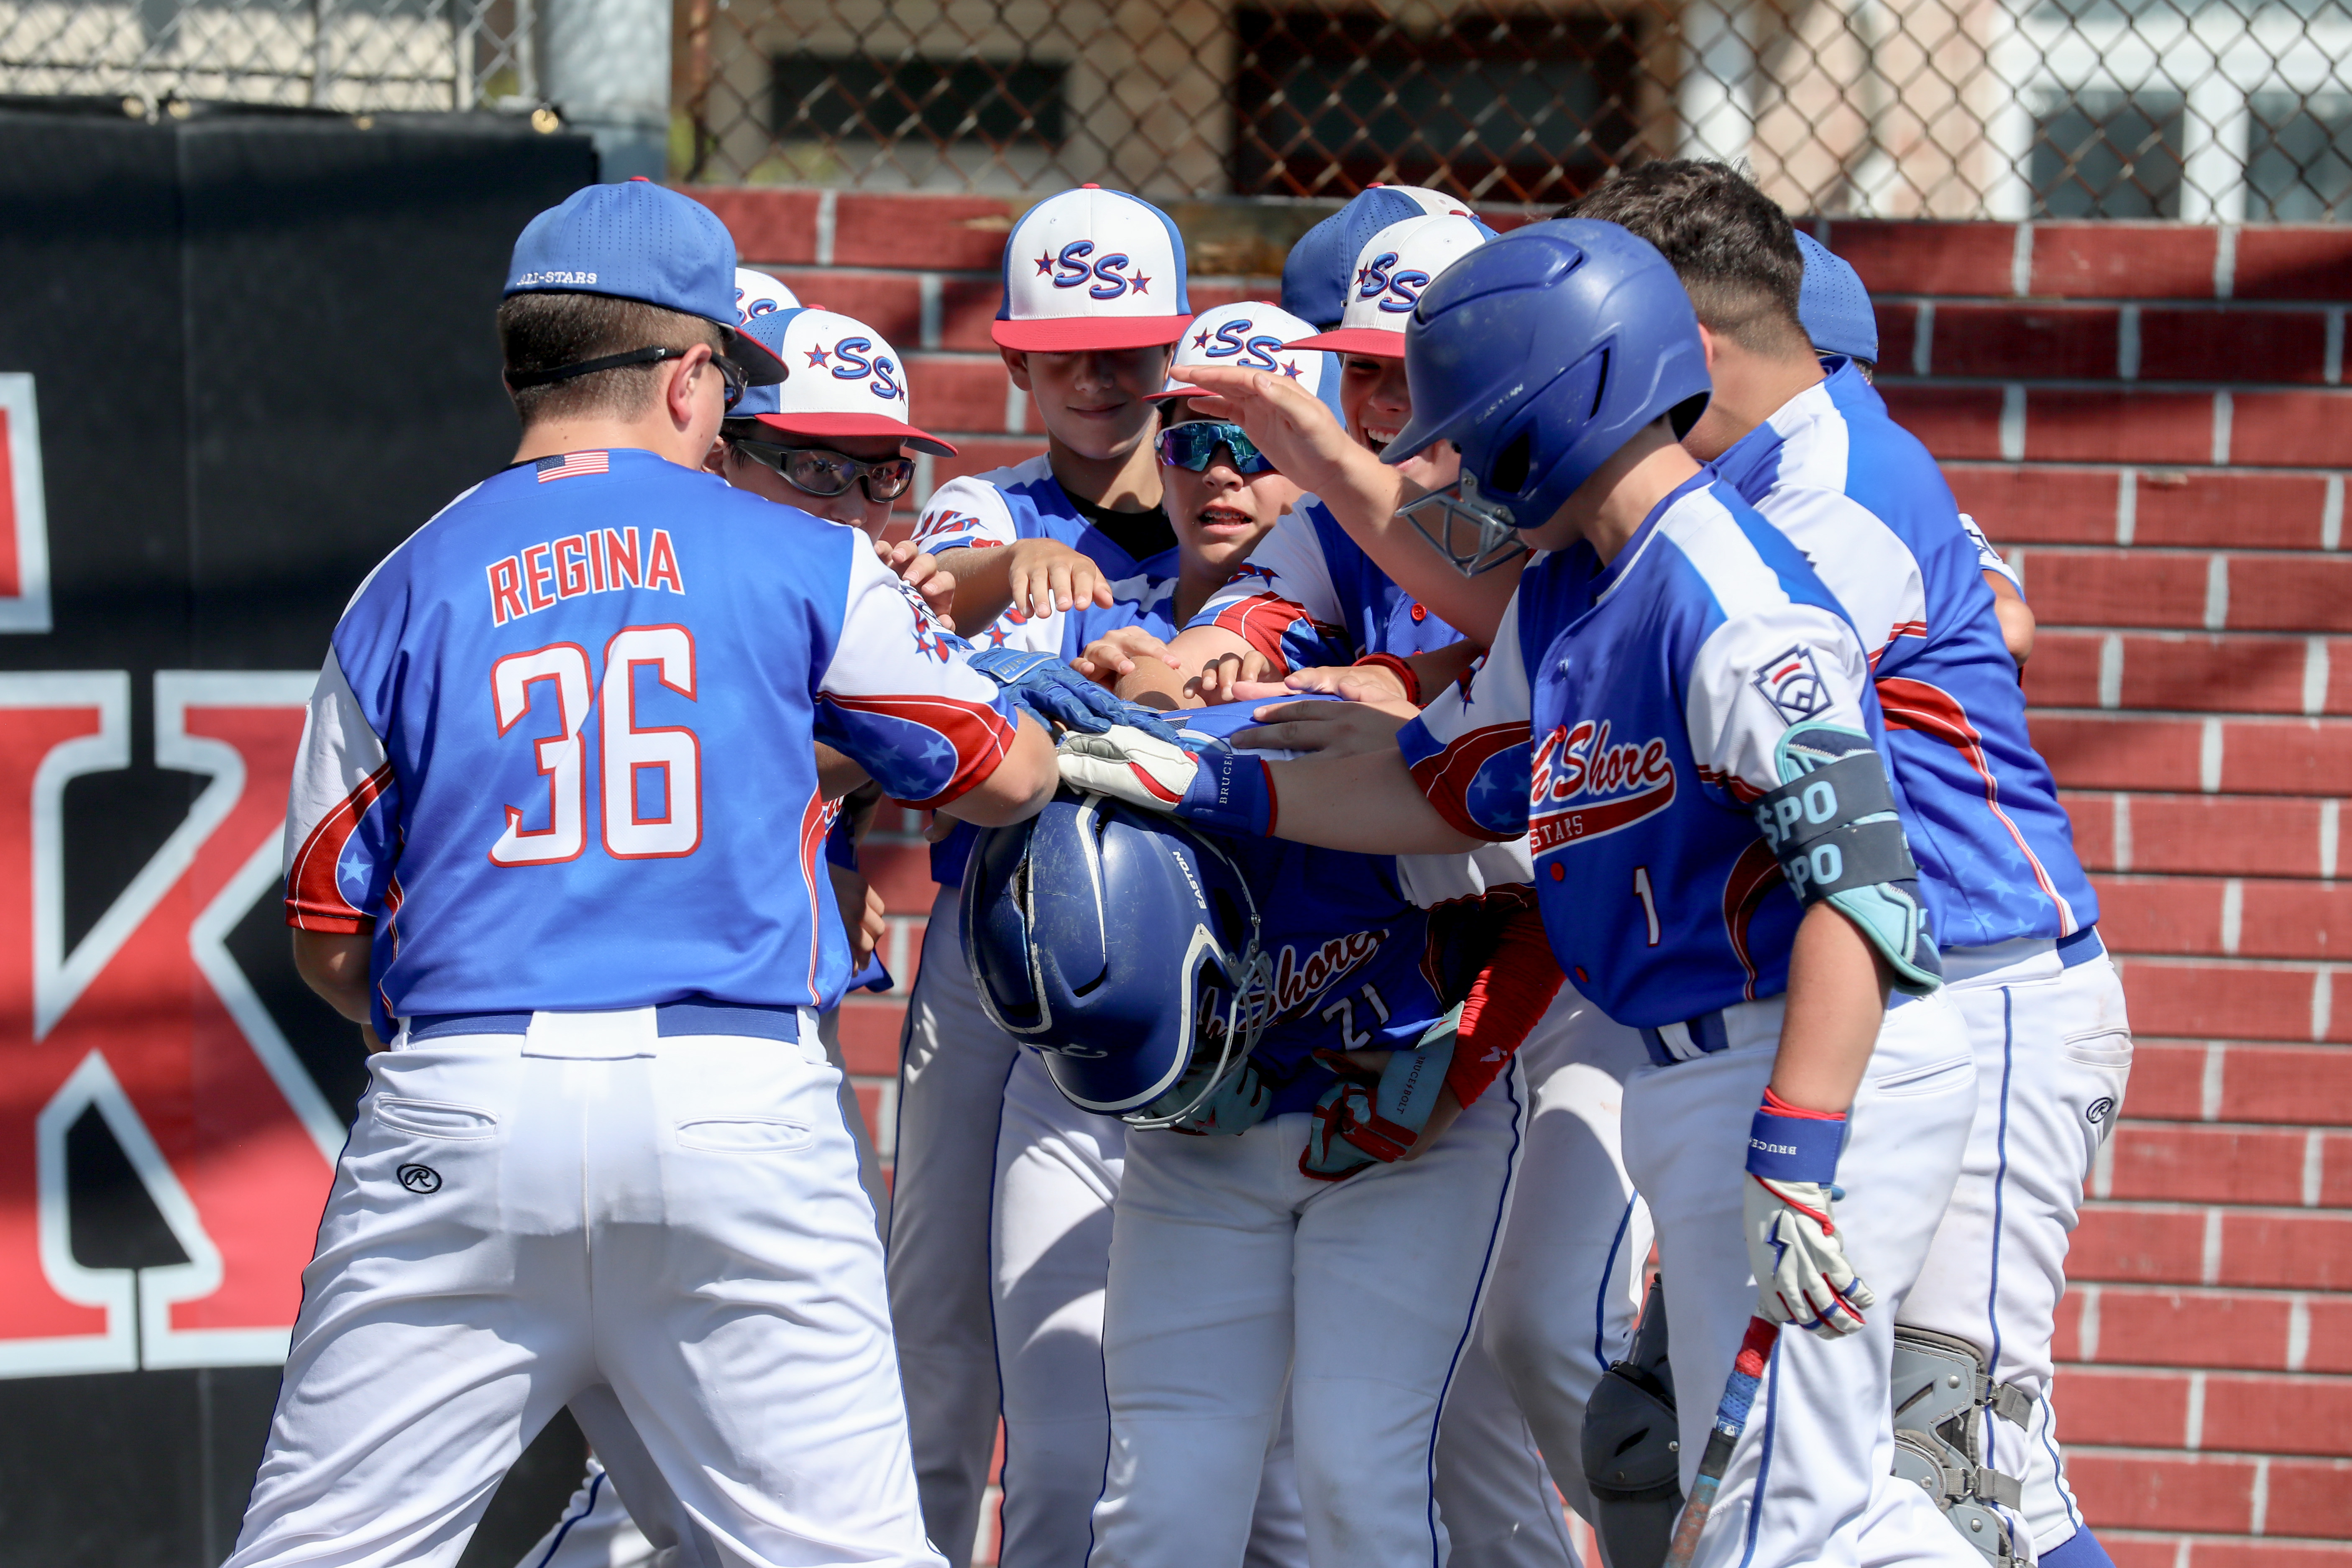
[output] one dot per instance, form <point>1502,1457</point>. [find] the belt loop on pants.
<point>702,1015</point>
<point>2080,948</point>
<point>1693,1037</point>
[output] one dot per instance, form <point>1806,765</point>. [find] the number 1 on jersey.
<point>1649,901</point>
<point>634,758</point>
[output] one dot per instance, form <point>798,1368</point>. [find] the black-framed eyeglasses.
<point>730,374</point>
<point>1194,445</point>
<point>821,471</point>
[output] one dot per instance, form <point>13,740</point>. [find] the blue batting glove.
<point>1050,688</point>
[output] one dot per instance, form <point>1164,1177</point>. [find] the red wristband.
<point>1400,669</point>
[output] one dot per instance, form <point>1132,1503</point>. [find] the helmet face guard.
<point>1233,1028</point>
<point>1473,533</point>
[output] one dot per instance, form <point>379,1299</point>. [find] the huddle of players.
<point>1415,1198</point>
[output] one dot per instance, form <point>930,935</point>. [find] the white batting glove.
<point>1214,786</point>
<point>1795,1245</point>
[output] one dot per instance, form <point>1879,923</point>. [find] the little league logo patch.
<point>1792,684</point>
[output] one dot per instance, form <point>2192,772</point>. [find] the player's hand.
<point>1215,787</point>
<point>1283,419</point>
<point>1374,683</point>
<point>1221,675</point>
<point>1798,1253</point>
<point>1231,1108</point>
<point>1046,686</point>
<point>1046,575</point>
<point>1336,729</point>
<point>1116,652</point>
<point>861,914</point>
<point>1383,1105</point>
<point>919,570</point>
<point>938,827</point>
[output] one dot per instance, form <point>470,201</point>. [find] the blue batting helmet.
<point>1124,947</point>
<point>1540,354</point>
<point>1833,305</point>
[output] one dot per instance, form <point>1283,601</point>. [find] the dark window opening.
<point>2109,154</point>
<point>1526,107</point>
<point>856,96</point>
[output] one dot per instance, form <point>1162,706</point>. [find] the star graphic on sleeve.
<point>352,872</point>
<point>1045,266</point>
<point>1291,369</point>
<point>1141,284</point>
<point>818,355</point>
<point>1201,340</point>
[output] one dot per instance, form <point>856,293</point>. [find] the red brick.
<point>2093,752</point>
<point>2045,342</point>
<point>869,1036</point>
<point>772,227</point>
<point>889,302</point>
<point>959,233</point>
<point>2331,1334</point>
<point>2160,915</point>
<point>2070,425</point>
<point>2334,1159</point>
<point>2235,511</point>
<point>2296,919</point>
<point>1900,258</point>
<point>2202,834</point>
<point>870,1096</point>
<point>1898,326</point>
<point>980,455</point>
<point>2018,505</point>
<point>2178,996</point>
<point>2136,1551</point>
<point>2285,756</point>
<point>2233,345</point>
<point>2268,1554</point>
<point>2187,671</point>
<point>2116,587</point>
<point>2291,594</point>
<point>2282,1083</point>
<point>2254,1413</point>
<point>900,872</point>
<point>2065,670</point>
<point>2307,1497</point>
<point>2171,1162</point>
<point>957,392</point>
<point>967,310</point>
<point>2305,1251</point>
<point>2145,1409</point>
<point>2168,1080</point>
<point>1952,421</point>
<point>2162,1491</point>
<point>2303,429</point>
<point>2155,1246</point>
<point>2141,1326</point>
<point>2294,262</point>
<point>2123,260</point>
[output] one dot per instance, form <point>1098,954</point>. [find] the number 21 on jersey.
<point>649,779</point>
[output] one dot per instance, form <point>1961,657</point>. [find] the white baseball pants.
<point>1810,1482</point>
<point>520,1218</point>
<point>594,1531</point>
<point>1232,1274</point>
<point>952,1076</point>
<point>2054,1050</point>
<point>1568,1274</point>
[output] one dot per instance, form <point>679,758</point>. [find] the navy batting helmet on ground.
<point>1123,946</point>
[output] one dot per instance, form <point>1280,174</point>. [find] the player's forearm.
<point>2015,615</point>
<point>1837,1001</point>
<point>335,965</point>
<point>1019,787</point>
<point>836,774</point>
<point>1441,667</point>
<point>1366,803</point>
<point>983,583</point>
<point>1156,685</point>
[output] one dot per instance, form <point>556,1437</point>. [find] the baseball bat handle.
<point>1730,1421</point>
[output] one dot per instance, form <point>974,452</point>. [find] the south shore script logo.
<point>1587,785</point>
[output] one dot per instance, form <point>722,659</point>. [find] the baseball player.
<point>604,1150</point>
<point>1835,311</point>
<point>1810,446</point>
<point>1236,1259</point>
<point>1669,674</point>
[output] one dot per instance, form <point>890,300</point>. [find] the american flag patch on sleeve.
<point>574,463</point>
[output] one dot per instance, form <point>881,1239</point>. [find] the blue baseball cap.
<point>1318,273</point>
<point>637,240</point>
<point>1832,305</point>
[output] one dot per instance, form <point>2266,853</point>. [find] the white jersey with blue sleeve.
<point>1626,718</point>
<point>1866,503</point>
<point>1309,596</point>
<point>560,755</point>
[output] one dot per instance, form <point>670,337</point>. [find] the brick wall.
<point>2150,421</point>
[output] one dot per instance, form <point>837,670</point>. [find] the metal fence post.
<point>607,68</point>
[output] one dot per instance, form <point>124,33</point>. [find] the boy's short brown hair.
<point>541,332</point>
<point>1730,244</point>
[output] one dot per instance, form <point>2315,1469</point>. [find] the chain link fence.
<point>2231,110</point>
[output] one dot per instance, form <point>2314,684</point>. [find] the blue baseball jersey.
<point>1625,719</point>
<point>1864,501</point>
<point>561,754</point>
<point>1311,597</point>
<point>991,511</point>
<point>1367,950</point>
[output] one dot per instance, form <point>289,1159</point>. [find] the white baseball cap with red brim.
<point>758,294</point>
<point>846,380</point>
<point>1252,335</point>
<point>1392,271</point>
<point>1092,268</point>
